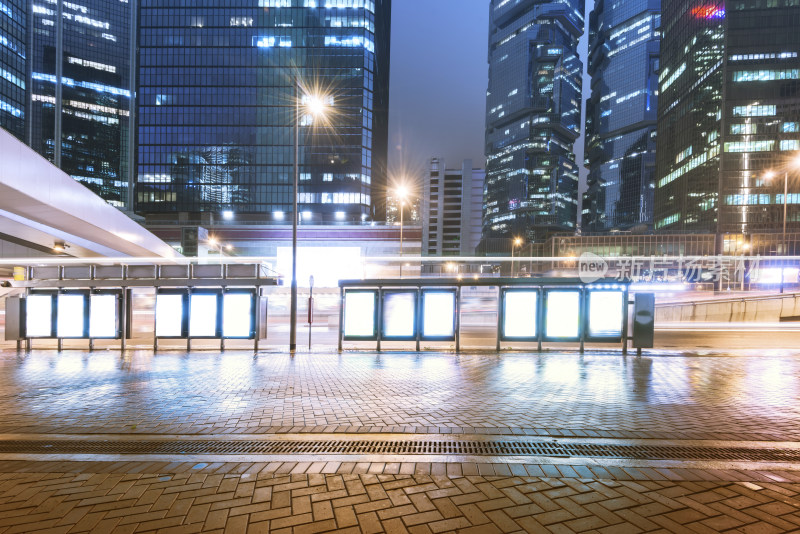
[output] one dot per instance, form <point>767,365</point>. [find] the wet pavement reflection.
<point>721,397</point>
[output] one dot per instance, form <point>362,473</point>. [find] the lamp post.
<point>769,176</point>
<point>315,105</point>
<point>517,242</point>
<point>401,193</point>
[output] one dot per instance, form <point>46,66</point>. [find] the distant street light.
<point>770,175</point>
<point>316,105</point>
<point>517,243</point>
<point>401,192</point>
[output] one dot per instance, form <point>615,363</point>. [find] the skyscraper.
<point>729,111</point>
<point>451,214</point>
<point>533,115</point>
<point>81,90</point>
<point>217,109</point>
<point>621,115</point>
<point>13,37</point>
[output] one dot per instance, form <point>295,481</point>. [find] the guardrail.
<point>762,308</point>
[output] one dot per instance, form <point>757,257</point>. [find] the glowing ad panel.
<point>399,315</point>
<point>359,314</point>
<point>519,314</point>
<point>439,314</point>
<point>70,315</point>
<point>237,315</point>
<point>203,316</point>
<point>169,315</point>
<point>605,313</point>
<point>39,316</point>
<point>103,316</point>
<point>563,314</point>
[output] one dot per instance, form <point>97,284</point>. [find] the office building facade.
<point>81,88</point>
<point>533,118</point>
<point>452,209</point>
<point>621,113</point>
<point>729,112</point>
<point>13,65</point>
<point>216,109</point>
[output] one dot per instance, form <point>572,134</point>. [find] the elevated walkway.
<point>41,206</point>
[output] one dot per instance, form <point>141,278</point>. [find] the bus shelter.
<point>529,310</point>
<point>209,301</point>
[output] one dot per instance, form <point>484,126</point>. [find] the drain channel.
<point>403,447</point>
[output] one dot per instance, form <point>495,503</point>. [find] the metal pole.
<point>293,298</point>
<point>310,314</point>
<point>500,313</point>
<point>458,319</point>
<point>401,238</point>
<point>341,317</point>
<point>379,326</point>
<point>785,203</point>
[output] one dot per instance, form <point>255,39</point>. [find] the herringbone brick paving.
<point>368,503</point>
<point>681,397</point>
<point>590,396</point>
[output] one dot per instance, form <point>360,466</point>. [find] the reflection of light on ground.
<point>562,370</point>
<point>101,365</point>
<point>513,369</point>
<point>68,364</point>
<point>771,381</point>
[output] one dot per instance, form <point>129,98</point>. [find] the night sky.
<point>439,75</point>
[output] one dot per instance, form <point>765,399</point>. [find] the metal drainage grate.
<point>397,447</point>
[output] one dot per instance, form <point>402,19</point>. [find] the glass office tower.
<point>729,111</point>
<point>533,118</point>
<point>216,101</point>
<point>81,89</point>
<point>624,40</point>
<point>13,14</point>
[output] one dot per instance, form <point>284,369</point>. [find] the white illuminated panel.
<point>605,313</point>
<point>169,315</point>
<point>563,314</point>
<point>519,314</point>
<point>237,314</point>
<point>103,316</point>
<point>399,315</point>
<point>70,315</point>
<point>439,314</point>
<point>203,316</point>
<point>39,316</point>
<point>359,314</point>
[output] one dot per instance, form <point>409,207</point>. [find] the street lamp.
<point>769,176</point>
<point>401,192</point>
<point>517,243</point>
<point>316,105</point>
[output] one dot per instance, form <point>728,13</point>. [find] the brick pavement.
<point>681,397</point>
<point>369,503</point>
<point>595,395</point>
